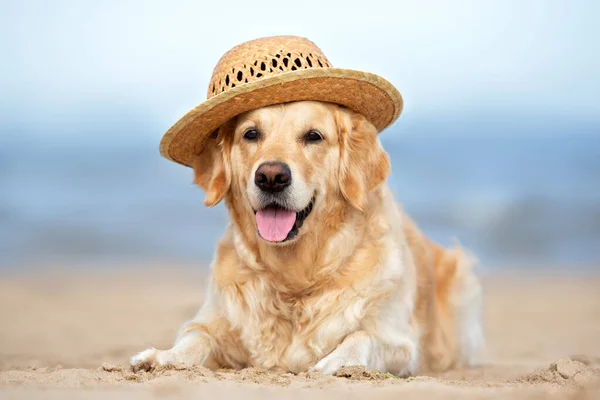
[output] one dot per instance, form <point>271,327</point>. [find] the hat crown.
<point>265,57</point>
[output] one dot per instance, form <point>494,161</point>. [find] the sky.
<point>134,67</point>
<point>88,88</point>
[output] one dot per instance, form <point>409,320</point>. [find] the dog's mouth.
<point>277,224</point>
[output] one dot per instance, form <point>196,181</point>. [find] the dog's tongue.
<point>274,224</point>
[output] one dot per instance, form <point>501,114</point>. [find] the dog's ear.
<point>212,170</point>
<point>364,164</point>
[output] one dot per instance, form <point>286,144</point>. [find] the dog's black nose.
<point>273,176</point>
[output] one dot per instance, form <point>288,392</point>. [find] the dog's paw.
<point>334,362</point>
<point>146,360</point>
<point>189,351</point>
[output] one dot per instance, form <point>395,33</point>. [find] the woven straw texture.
<point>276,70</point>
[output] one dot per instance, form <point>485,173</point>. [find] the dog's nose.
<point>273,176</point>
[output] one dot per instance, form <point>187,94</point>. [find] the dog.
<point>319,267</point>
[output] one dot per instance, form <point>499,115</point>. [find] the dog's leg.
<point>191,349</point>
<point>363,349</point>
<point>196,344</point>
<point>388,341</point>
<point>355,350</point>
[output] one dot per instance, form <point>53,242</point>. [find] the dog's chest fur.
<point>283,327</point>
<point>288,332</point>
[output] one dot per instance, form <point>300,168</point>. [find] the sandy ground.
<point>69,335</point>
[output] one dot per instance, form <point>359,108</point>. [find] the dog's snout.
<point>273,176</point>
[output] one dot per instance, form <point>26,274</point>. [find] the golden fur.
<point>360,284</point>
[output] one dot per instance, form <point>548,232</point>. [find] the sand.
<point>69,334</point>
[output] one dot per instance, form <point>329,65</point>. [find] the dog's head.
<point>288,166</point>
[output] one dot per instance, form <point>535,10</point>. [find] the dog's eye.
<point>251,135</point>
<point>313,136</point>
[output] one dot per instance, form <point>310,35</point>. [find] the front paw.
<point>334,362</point>
<point>151,358</point>
<point>189,351</point>
<point>146,360</point>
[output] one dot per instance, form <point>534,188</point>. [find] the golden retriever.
<point>320,268</point>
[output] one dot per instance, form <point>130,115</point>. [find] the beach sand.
<point>69,335</point>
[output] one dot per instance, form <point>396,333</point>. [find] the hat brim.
<point>365,93</point>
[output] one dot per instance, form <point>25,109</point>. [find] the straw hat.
<point>276,70</point>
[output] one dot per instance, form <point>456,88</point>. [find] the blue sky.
<point>71,65</point>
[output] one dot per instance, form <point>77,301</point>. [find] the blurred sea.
<point>526,199</point>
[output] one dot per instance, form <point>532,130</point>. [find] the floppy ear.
<point>211,167</point>
<point>364,164</point>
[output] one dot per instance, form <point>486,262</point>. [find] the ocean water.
<point>532,200</point>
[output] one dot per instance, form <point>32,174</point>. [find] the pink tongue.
<point>275,224</point>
